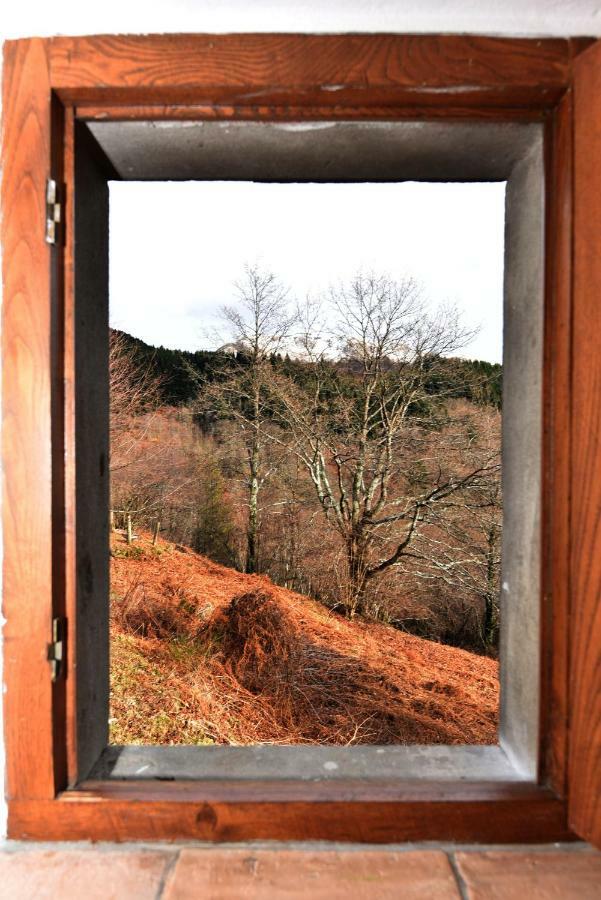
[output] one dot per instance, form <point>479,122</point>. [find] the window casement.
<point>541,97</point>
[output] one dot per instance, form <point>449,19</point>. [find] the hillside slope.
<point>203,654</point>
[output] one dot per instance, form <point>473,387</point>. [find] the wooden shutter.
<point>584,775</point>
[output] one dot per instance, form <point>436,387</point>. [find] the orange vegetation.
<point>203,654</point>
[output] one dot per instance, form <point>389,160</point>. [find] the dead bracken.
<point>204,654</point>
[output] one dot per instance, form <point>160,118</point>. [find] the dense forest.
<point>177,372</point>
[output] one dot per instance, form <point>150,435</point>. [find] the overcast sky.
<point>177,247</point>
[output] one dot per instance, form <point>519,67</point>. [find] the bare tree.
<point>363,424</point>
<point>259,325</point>
<point>133,390</point>
<point>460,553</point>
<point>150,469</point>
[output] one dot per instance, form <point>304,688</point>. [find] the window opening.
<point>306,506</point>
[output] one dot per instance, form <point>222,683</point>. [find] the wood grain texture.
<point>404,102</point>
<point>26,432</point>
<point>60,507</point>
<point>84,434</point>
<point>585,575</point>
<point>292,113</point>
<point>68,422</point>
<point>283,69</point>
<point>556,446</point>
<point>288,77</point>
<point>91,272</point>
<point>238,812</point>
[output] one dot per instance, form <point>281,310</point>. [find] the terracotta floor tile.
<point>86,874</point>
<point>318,875</point>
<point>507,875</point>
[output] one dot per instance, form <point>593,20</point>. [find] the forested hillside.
<point>352,457</point>
<point>178,372</point>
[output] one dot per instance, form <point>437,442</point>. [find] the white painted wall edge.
<point>528,17</point>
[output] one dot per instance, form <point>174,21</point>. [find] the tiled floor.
<point>112,872</point>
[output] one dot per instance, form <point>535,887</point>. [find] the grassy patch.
<point>129,551</point>
<point>140,549</point>
<point>148,702</point>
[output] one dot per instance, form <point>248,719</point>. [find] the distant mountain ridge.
<point>180,370</point>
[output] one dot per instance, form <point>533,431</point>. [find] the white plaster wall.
<point>508,17</point>
<point>517,17</point>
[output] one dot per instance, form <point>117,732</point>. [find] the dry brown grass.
<point>203,654</point>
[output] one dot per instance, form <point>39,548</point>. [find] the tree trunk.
<point>491,623</point>
<point>252,552</point>
<point>357,568</point>
<point>491,616</point>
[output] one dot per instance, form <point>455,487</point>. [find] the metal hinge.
<point>53,212</point>
<point>56,649</point>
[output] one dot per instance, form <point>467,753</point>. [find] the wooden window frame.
<point>48,86</point>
